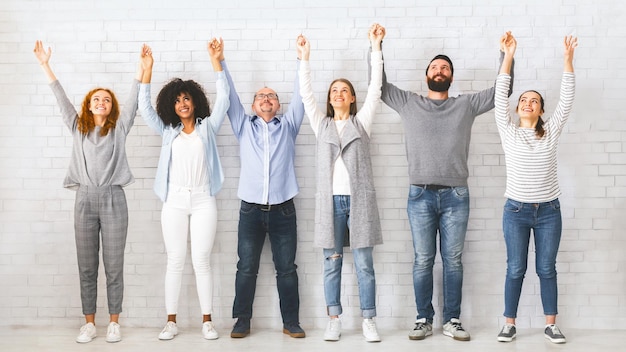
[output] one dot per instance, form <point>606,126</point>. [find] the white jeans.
<point>191,211</point>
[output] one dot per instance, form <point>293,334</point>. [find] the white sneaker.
<point>369,331</point>
<point>87,333</point>
<point>454,329</point>
<point>208,331</point>
<point>169,331</point>
<point>113,332</point>
<point>333,330</point>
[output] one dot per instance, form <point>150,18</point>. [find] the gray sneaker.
<point>553,334</point>
<point>454,329</point>
<point>421,330</point>
<point>507,334</point>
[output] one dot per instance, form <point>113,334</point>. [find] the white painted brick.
<point>37,251</point>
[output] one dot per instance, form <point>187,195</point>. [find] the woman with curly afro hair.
<point>189,175</point>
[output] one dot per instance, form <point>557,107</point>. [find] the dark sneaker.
<point>454,329</point>
<point>507,334</point>
<point>421,330</point>
<point>241,328</point>
<point>553,334</point>
<point>293,330</point>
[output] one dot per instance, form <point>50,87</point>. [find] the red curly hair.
<point>86,123</point>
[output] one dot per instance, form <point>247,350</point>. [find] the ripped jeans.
<point>333,262</point>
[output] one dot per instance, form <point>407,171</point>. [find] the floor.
<point>144,339</point>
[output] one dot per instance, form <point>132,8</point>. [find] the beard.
<point>439,86</point>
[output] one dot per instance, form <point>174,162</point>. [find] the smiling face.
<point>530,106</point>
<point>183,106</point>
<point>266,103</point>
<point>341,99</point>
<point>439,75</point>
<point>101,103</point>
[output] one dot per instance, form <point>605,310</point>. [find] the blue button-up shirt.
<point>266,149</point>
<point>207,129</point>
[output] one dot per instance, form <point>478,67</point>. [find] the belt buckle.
<point>265,207</point>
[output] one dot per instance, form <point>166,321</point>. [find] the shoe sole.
<point>420,337</point>
<point>449,334</point>
<point>114,340</point>
<point>372,339</point>
<point>332,338</point>
<point>506,339</point>
<point>553,340</point>
<point>297,335</point>
<point>239,335</point>
<point>86,341</point>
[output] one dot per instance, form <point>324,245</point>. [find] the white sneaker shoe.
<point>454,329</point>
<point>113,332</point>
<point>169,331</point>
<point>369,331</point>
<point>208,331</point>
<point>87,333</point>
<point>333,330</point>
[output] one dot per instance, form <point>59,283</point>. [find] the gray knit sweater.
<point>437,132</point>
<point>98,160</point>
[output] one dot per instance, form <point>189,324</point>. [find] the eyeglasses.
<point>262,96</point>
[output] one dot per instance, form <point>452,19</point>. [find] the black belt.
<point>434,187</point>
<point>268,207</point>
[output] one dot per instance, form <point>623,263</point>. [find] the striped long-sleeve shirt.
<point>531,163</point>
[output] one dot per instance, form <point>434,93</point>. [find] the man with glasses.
<point>267,185</point>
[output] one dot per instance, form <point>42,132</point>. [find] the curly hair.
<point>86,123</point>
<point>330,111</point>
<point>167,99</point>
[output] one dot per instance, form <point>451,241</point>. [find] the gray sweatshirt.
<point>98,160</point>
<point>437,132</point>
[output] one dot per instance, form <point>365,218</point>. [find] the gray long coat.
<point>365,228</point>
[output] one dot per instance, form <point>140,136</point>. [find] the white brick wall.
<point>96,43</point>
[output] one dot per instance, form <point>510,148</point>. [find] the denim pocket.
<point>246,208</point>
<point>415,192</point>
<point>513,206</point>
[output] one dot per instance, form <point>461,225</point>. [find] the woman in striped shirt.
<point>532,190</point>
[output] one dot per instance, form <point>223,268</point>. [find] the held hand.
<point>41,54</point>
<point>508,44</point>
<point>376,33</point>
<point>216,49</point>
<point>146,58</point>
<point>303,47</point>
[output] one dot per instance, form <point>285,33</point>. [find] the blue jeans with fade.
<point>279,223</point>
<point>333,263</point>
<point>544,219</point>
<point>445,211</point>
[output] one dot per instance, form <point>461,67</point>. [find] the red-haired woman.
<point>98,171</point>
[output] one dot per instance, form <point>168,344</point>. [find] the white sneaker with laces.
<point>113,332</point>
<point>369,331</point>
<point>208,331</point>
<point>333,330</point>
<point>87,333</point>
<point>169,331</point>
<point>454,329</point>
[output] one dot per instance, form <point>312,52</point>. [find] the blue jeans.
<point>279,223</point>
<point>333,262</point>
<point>447,211</point>
<point>517,221</point>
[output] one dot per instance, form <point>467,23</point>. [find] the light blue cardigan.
<point>207,129</point>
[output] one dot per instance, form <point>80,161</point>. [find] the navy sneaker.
<point>241,328</point>
<point>293,330</point>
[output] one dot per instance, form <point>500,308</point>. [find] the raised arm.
<point>508,44</point>
<point>306,90</point>
<point>568,86</point>
<point>146,109</point>
<point>215,47</point>
<point>43,57</point>
<point>372,100</point>
<point>570,44</point>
